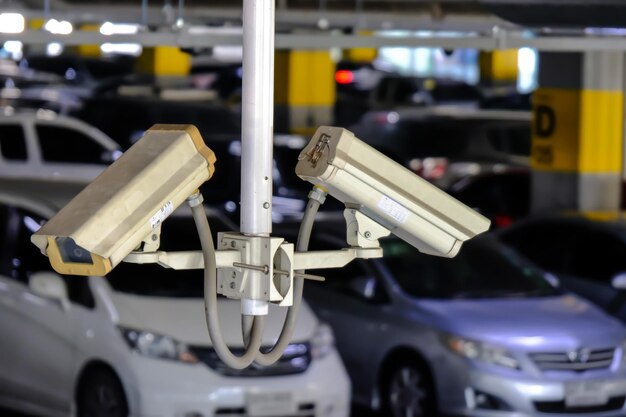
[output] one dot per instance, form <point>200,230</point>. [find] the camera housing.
<point>126,204</point>
<point>368,181</point>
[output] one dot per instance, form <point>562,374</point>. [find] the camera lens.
<point>71,252</point>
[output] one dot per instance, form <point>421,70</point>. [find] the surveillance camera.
<point>127,203</point>
<point>366,180</point>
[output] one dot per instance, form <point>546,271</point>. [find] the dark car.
<point>80,70</point>
<point>587,252</point>
<point>445,143</point>
<point>503,197</point>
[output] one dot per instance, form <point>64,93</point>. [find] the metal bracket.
<point>361,231</point>
<point>270,278</point>
<point>241,279</point>
<point>181,260</point>
<point>151,242</point>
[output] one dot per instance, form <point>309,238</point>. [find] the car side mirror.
<point>108,157</point>
<point>552,279</point>
<point>50,285</point>
<point>619,281</point>
<point>364,287</point>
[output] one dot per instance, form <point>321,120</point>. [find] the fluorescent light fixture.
<point>14,48</point>
<point>54,49</point>
<point>109,28</point>
<point>12,23</point>
<point>121,48</point>
<point>58,27</point>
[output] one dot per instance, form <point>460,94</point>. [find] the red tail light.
<point>344,77</point>
<point>503,221</point>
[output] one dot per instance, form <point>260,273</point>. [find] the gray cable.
<point>210,300</point>
<point>302,245</point>
<point>246,328</point>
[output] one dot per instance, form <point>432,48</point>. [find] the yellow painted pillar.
<point>164,61</point>
<point>304,90</point>
<point>578,131</point>
<point>361,55</point>
<point>498,67</point>
<point>89,50</point>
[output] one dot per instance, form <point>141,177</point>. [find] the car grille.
<point>304,410</point>
<point>578,361</point>
<point>615,403</point>
<point>295,360</point>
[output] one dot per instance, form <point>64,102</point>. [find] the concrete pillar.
<point>88,50</point>
<point>498,67</point>
<point>578,132</point>
<point>304,91</point>
<point>164,61</point>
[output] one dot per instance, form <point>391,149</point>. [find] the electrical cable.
<point>302,245</point>
<point>210,300</point>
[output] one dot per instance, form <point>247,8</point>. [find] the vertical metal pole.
<point>46,10</point>
<point>181,14</point>
<point>258,117</point>
<point>257,125</point>
<point>144,13</point>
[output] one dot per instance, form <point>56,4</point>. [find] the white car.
<point>136,343</point>
<point>43,145</point>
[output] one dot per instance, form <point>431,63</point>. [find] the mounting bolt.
<point>367,235</point>
<point>154,237</point>
<point>266,205</point>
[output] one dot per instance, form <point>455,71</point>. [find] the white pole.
<point>257,117</point>
<point>257,125</point>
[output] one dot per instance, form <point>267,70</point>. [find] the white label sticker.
<point>159,216</point>
<point>393,209</point>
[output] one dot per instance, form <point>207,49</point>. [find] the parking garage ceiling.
<point>467,14</point>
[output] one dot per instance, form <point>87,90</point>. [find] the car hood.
<point>184,320</point>
<point>549,322</point>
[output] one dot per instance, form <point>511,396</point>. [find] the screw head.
<point>367,235</point>
<point>154,237</point>
<point>266,205</point>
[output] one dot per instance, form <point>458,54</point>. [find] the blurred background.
<point>516,108</point>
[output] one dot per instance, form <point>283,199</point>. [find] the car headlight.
<point>483,352</point>
<point>323,341</point>
<point>158,346</point>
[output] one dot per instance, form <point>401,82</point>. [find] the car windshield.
<point>482,269</point>
<point>178,233</point>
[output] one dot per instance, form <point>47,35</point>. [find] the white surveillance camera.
<point>391,195</point>
<point>127,203</point>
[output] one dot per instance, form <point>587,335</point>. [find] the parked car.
<point>43,145</point>
<point>483,334</point>
<point>445,143</point>
<point>80,70</point>
<point>586,251</point>
<point>503,197</point>
<point>106,112</point>
<point>136,342</point>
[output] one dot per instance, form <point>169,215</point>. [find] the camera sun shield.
<point>368,181</point>
<point>127,202</point>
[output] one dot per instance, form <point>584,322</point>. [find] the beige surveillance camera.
<point>391,195</point>
<point>127,203</point>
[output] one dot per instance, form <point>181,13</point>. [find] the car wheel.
<point>408,391</point>
<point>102,395</point>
